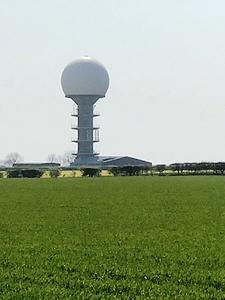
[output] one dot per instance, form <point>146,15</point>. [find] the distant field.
<point>112,238</point>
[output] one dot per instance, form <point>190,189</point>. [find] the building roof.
<point>35,165</point>
<point>123,161</point>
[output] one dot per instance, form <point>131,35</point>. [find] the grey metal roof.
<point>122,161</point>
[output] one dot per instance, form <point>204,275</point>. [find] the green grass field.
<point>112,238</point>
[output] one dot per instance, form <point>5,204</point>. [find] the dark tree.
<point>160,168</point>
<point>29,173</point>
<point>14,174</point>
<point>177,167</point>
<point>115,171</point>
<point>219,167</point>
<point>54,173</point>
<point>90,172</point>
<point>127,170</point>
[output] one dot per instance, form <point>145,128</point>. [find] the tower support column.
<point>85,128</point>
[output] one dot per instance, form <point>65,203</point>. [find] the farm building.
<point>36,165</point>
<point>114,161</point>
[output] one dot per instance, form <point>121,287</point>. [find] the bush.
<point>54,173</point>
<point>27,173</point>
<point>115,171</point>
<point>74,172</point>
<point>1,175</point>
<point>129,170</point>
<point>160,168</point>
<point>90,172</point>
<point>14,174</point>
<point>31,173</point>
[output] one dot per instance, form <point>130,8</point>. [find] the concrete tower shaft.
<point>87,132</point>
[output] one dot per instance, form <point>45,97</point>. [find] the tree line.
<point>191,168</point>
<point>174,169</point>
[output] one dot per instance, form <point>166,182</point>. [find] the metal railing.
<point>76,140</point>
<point>75,126</point>
<point>75,113</point>
<point>95,152</point>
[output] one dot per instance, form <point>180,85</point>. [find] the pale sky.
<point>166,61</point>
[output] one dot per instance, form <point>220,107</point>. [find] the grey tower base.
<point>85,161</point>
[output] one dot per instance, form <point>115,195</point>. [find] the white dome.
<point>85,76</point>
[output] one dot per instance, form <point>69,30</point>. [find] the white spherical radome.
<point>85,76</point>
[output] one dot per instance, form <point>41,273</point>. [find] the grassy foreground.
<point>112,238</point>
